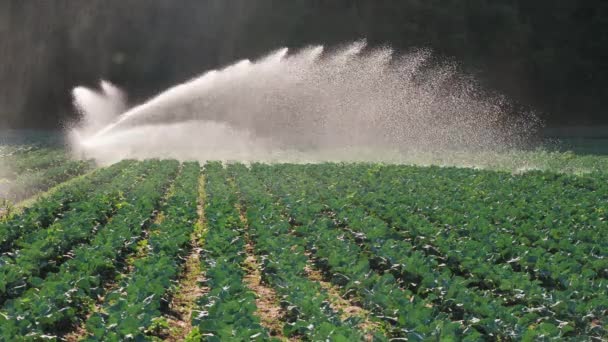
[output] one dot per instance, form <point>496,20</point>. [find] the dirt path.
<point>190,286</point>
<point>347,307</point>
<point>267,302</point>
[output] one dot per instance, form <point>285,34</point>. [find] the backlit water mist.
<point>352,104</point>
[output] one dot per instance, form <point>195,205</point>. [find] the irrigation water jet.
<point>307,106</point>
<point>98,108</point>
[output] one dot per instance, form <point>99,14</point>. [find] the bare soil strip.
<point>266,300</point>
<point>346,307</point>
<point>140,251</point>
<point>76,335</point>
<point>157,217</point>
<point>190,286</point>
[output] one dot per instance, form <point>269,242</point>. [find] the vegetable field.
<point>162,250</point>
<point>28,169</point>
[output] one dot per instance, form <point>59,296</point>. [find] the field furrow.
<point>28,160</point>
<point>142,293</point>
<point>496,212</point>
<point>284,266</point>
<point>191,281</point>
<point>30,183</point>
<point>56,304</point>
<point>346,304</point>
<point>52,207</point>
<point>228,310</point>
<point>43,251</point>
<point>266,299</point>
<point>411,271</point>
<point>561,300</point>
<point>347,267</point>
<point>164,250</point>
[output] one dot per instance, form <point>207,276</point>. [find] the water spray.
<point>306,105</point>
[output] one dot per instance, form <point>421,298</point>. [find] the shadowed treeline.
<point>547,54</point>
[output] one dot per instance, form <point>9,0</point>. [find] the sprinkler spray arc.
<point>304,104</point>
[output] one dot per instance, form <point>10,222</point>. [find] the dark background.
<point>550,55</point>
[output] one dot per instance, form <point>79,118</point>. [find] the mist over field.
<point>306,106</point>
<point>299,170</point>
<point>4,182</point>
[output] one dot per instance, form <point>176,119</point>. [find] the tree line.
<point>549,55</point>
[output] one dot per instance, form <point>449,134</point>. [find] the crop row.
<point>227,312</point>
<point>347,266</point>
<point>573,293</point>
<point>387,249</point>
<point>41,251</point>
<point>307,306</point>
<point>424,276</point>
<point>51,207</point>
<point>9,150</point>
<point>432,253</point>
<point>56,303</point>
<point>557,213</point>
<point>129,311</point>
<point>18,162</point>
<point>30,183</point>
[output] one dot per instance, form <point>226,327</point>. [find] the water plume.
<point>98,108</point>
<point>309,105</point>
